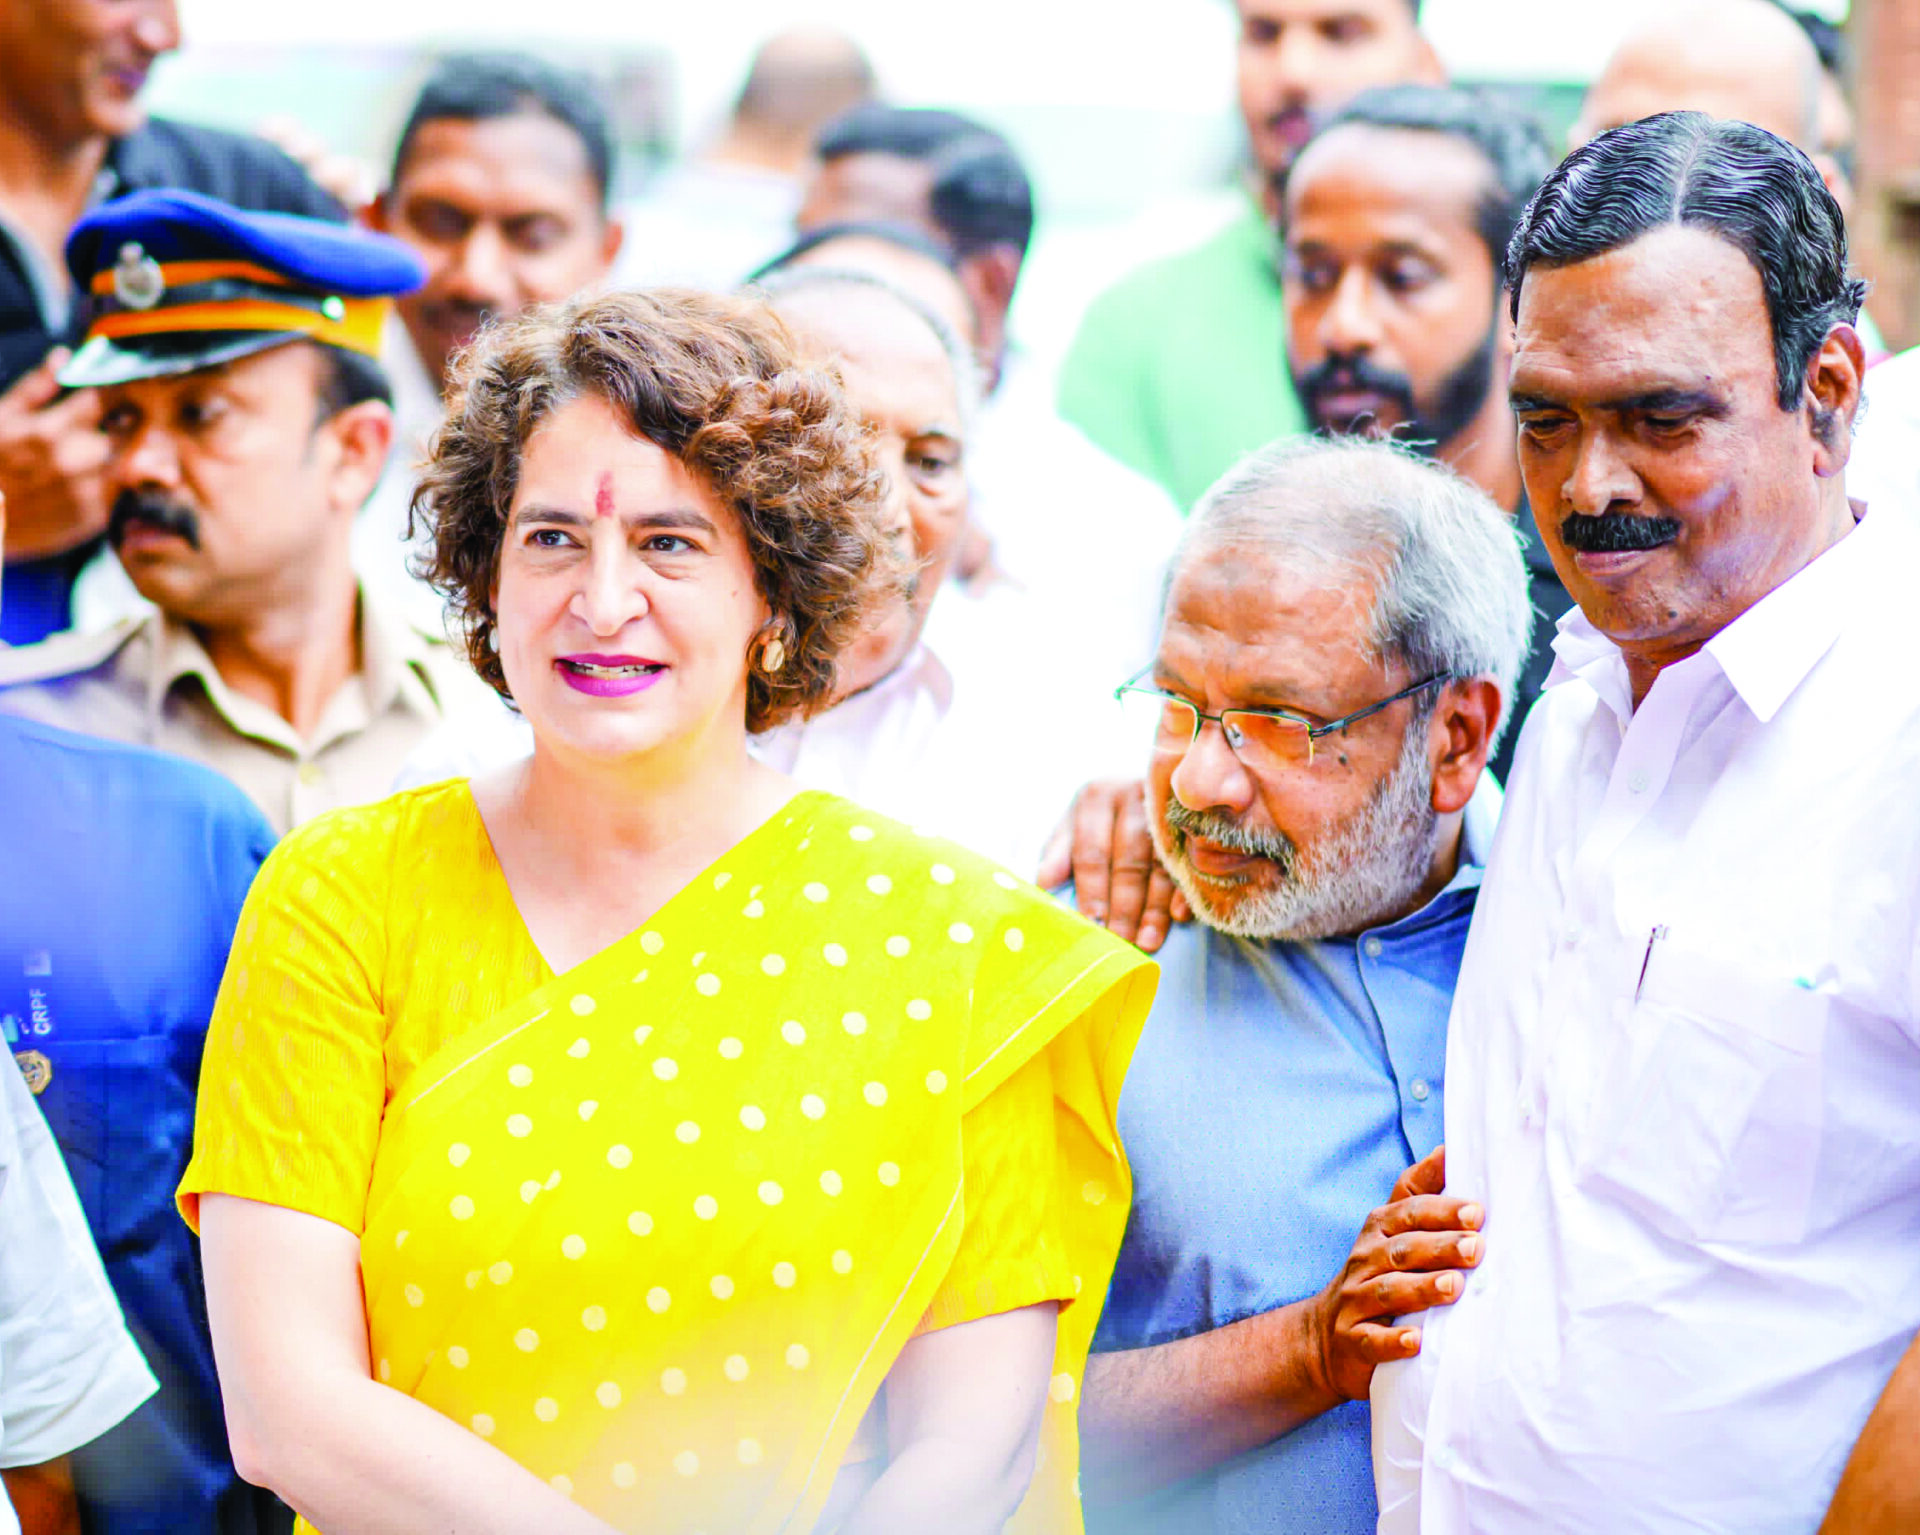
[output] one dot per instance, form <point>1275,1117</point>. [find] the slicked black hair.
<point>1732,179</point>
<point>981,197</point>
<point>478,87</point>
<point>1513,144</point>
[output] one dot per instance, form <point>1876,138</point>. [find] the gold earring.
<point>773,655</point>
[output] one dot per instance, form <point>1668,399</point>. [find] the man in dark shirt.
<point>75,134</point>
<point>1397,217</point>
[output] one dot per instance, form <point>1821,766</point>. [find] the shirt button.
<point>1638,783</point>
<point>310,773</point>
<point>1418,1087</point>
<point>1373,946</point>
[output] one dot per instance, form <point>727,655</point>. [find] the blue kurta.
<point>124,871</point>
<point>1279,1091</point>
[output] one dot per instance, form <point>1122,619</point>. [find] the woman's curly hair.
<point>714,380</point>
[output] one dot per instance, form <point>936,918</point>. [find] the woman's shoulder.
<point>413,828</point>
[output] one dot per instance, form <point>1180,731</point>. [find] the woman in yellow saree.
<point>601,1144</point>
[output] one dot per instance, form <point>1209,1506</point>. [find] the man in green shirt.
<point>1180,367</point>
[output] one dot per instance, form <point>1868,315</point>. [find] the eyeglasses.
<point>1265,740</point>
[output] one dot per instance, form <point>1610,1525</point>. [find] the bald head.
<point>904,375</point>
<point>914,273</point>
<point>1744,59</point>
<point>847,313</point>
<point>803,78</point>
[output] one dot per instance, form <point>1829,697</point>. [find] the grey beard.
<point>1372,865</point>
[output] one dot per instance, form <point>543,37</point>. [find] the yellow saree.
<point>658,1229</point>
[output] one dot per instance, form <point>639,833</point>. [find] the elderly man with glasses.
<point>1343,627</point>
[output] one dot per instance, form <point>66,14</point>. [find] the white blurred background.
<point>1125,112</point>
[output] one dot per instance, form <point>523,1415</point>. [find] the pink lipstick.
<point>609,676</point>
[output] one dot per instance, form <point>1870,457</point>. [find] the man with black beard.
<point>246,422</point>
<point>1342,629</point>
<point>1397,218</point>
<point>1177,369</point>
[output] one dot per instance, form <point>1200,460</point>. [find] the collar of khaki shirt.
<point>1765,653</point>
<point>393,674</point>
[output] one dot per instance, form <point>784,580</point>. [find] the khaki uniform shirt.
<point>149,680</point>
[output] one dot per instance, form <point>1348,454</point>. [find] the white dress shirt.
<point>983,734</point>
<point>1884,470</point>
<point>381,548</point>
<point>1683,1074</point>
<point>705,224</point>
<point>69,1370</point>
<point>1078,534</point>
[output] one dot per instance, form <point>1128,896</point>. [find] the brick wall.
<point>1886,48</point>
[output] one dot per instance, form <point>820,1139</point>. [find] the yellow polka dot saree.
<point>658,1227</point>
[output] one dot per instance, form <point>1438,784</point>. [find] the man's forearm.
<point>1154,1416</point>
<point>1879,1493</point>
<point>42,1498</point>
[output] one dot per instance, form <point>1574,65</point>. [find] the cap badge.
<point>37,1069</point>
<point>137,281</point>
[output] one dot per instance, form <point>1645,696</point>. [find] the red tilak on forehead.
<point>603,496</point>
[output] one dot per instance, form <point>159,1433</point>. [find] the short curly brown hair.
<point>716,381</point>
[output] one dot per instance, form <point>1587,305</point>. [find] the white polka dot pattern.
<point>772,1113</point>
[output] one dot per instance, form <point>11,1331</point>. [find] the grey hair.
<point>790,281</point>
<point>1450,585</point>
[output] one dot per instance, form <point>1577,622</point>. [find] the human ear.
<point>1427,68</point>
<point>612,237</point>
<point>363,435</point>
<point>1833,398</point>
<point>1459,737</point>
<point>989,277</point>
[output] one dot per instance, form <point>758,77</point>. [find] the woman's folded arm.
<point>304,1414</point>
<point>963,1420</point>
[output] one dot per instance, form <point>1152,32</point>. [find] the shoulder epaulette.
<point>66,654</point>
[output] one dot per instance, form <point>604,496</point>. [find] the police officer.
<point>125,872</point>
<point>248,421</point>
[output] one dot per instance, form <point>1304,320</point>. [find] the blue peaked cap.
<point>173,225</point>
<point>175,282</point>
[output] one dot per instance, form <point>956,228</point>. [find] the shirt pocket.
<point>122,1113</point>
<point>1708,1103</point>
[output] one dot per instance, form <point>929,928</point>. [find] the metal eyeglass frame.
<point>1314,732</point>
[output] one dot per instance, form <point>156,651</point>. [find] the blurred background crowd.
<point>1123,269</point>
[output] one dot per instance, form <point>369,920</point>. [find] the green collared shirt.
<point>1180,368</point>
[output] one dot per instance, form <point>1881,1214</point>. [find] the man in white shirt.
<point>69,1370</point>
<point>1075,529</point>
<point>716,214</point>
<point>965,714</point>
<point>1886,460</point>
<point>1684,1059</point>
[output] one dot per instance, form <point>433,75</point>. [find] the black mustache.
<point>1342,375</point>
<point>1617,532</point>
<point>132,506</point>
